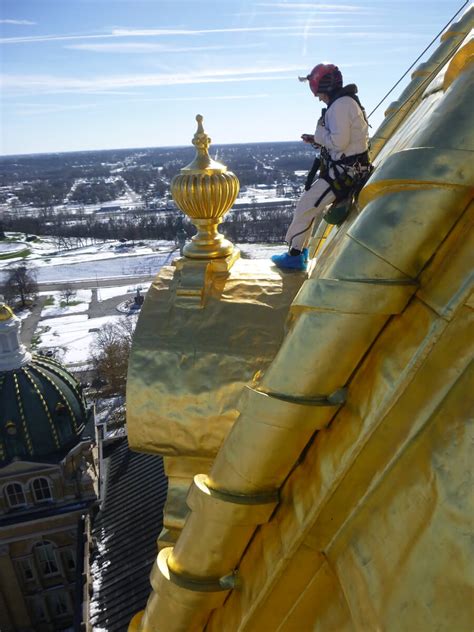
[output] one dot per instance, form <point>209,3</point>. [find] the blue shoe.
<point>287,262</point>
<point>305,254</point>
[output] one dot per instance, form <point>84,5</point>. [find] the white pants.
<point>306,213</point>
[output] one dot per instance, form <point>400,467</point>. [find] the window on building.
<point>47,560</point>
<point>42,490</point>
<point>15,495</point>
<point>59,603</point>
<point>69,559</point>
<point>26,568</point>
<point>37,608</point>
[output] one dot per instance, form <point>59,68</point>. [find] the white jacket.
<point>345,130</point>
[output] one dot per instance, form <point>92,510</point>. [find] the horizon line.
<point>190,146</point>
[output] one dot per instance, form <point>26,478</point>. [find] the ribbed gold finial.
<point>204,190</point>
<point>5,312</point>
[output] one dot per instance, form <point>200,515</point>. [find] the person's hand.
<point>308,138</point>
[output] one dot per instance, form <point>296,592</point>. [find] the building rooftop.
<point>135,492</point>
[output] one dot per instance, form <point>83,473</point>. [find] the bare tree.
<point>110,352</point>
<point>63,242</point>
<point>67,293</point>
<point>20,283</point>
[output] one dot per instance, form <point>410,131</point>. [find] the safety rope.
<point>418,58</point>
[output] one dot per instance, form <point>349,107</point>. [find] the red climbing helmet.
<point>324,78</point>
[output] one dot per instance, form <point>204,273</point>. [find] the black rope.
<point>418,58</point>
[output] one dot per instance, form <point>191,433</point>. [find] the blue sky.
<point>100,74</point>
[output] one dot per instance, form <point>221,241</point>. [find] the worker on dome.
<point>341,140</point>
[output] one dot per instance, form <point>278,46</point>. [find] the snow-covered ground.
<point>80,298</point>
<point>67,329</point>
<point>105,261</point>
<point>111,260</point>
<point>105,293</point>
<point>71,336</point>
<point>256,195</point>
<point>110,268</point>
<point>260,251</point>
<point>7,247</point>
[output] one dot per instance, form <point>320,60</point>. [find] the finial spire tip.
<point>199,119</point>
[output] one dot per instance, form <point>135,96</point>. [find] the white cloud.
<point>37,109</point>
<point>31,39</point>
<point>232,97</point>
<point>372,35</point>
<point>337,15</point>
<point>237,29</point>
<point>18,22</point>
<point>143,47</point>
<point>53,84</point>
<point>128,32</point>
<point>339,8</point>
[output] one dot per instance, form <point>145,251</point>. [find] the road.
<point>29,324</point>
<point>87,284</point>
<point>96,308</point>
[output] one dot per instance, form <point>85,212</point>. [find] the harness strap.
<point>321,197</point>
<point>340,193</point>
<point>348,161</point>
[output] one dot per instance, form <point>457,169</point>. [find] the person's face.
<point>323,97</point>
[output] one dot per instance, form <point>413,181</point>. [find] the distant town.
<point>126,193</point>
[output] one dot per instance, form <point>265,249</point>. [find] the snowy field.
<point>71,336</point>
<point>111,268</point>
<point>106,261</point>
<point>105,293</point>
<point>260,251</point>
<point>111,260</point>
<point>11,247</point>
<point>79,303</point>
<point>68,329</point>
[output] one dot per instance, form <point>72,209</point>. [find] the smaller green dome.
<point>42,411</point>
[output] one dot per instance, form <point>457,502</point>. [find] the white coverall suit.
<point>345,131</point>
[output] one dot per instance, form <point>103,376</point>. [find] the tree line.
<point>253,226</point>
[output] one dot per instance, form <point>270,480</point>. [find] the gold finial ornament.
<point>204,190</point>
<point>5,312</point>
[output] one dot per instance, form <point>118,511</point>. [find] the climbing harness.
<point>344,175</point>
<point>347,175</point>
<point>345,178</point>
